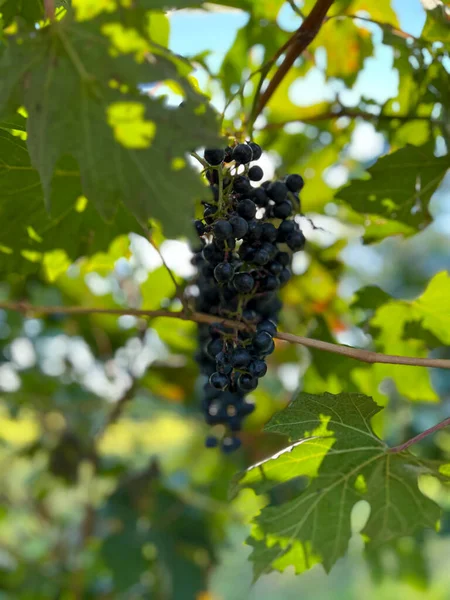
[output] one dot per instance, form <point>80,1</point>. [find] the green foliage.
<point>94,69</point>
<point>107,491</point>
<point>344,462</point>
<point>400,186</point>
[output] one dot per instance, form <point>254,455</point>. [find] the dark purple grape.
<point>222,229</point>
<point>223,272</point>
<point>246,208</point>
<point>242,154</point>
<point>244,283</point>
<point>214,156</point>
<point>255,173</point>
<point>240,358</point>
<point>247,383</point>
<point>239,226</point>
<point>262,341</point>
<point>241,184</point>
<point>256,150</point>
<point>296,241</point>
<point>294,183</point>
<point>277,191</point>
<point>219,381</point>
<point>282,210</point>
<point>257,368</point>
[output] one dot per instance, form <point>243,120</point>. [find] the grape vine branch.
<point>359,354</point>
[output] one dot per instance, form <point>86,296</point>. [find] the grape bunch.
<point>247,237</point>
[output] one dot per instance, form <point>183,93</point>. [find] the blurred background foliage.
<point>106,489</point>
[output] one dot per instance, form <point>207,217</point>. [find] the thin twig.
<point>296,9</point>
<point>417,438</point>
<point>383,25</point>
<point>301,39</point>
<point>353,114</point>
<point>49,7</point>
<point>359,354</point>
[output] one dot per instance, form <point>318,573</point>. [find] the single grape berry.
<point>285,228</point>
<point>267,325</point>
<point>242,154</point>
<point>249,315</point>
<point>282,210</point>
<point>219,381</point>
<point>246,208</point>
<point>296,241</point>
<point>277,191</point>
<point>257,368</point>
<point>214,156</point>
<point>271,249</point>
<point>270,283</point>
<point>269,232</point>
<point>246,252</point>
<point>256,150</point>
<point>284,276</point>
<point>228,154</point>
<point>211,441</point>
<point>261,258</point>
<point>241,184</point>
<point>208,213</point>
<point>247,383</point>
<point>222,229</point>
<point>283,258</point>
<point>260,197</point>
<point>223,272</point>
<point>255,230</point>
<point>223,363</point>
<point>294,183</point>
<point>212,254</point>
<point>199,227</point>
<point>214,347</point>
<point>255,173</point>
<point>239,226</point>
<point>275,268</point>
<point>262,341</point>
<point>268,351</point>
<point>244,283</point>
<point>240,358</point>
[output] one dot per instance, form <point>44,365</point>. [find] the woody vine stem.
<point>366,356</point>
<point>359,354</point>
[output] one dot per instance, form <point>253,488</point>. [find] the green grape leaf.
<point>344,462</point>
<point>400,186</point>
<point>432,307</point>
<point>73,225</point>
<point>80,84</point>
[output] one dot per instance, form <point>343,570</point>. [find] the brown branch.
<point>353,114</point>
<point>49,8</point>
<point>301,39</point>
<point>417,438</point>
<point>366,356</point>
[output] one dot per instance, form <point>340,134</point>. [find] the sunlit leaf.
<point>345,462</point>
